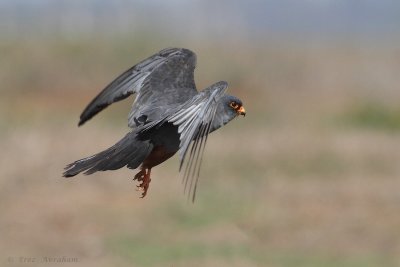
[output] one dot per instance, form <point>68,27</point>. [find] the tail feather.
<point>129,151</point>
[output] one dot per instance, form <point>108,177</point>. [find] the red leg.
<point>144,178</point>
<point>146,183</point>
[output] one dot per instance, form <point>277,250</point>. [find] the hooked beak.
<point>241,111</point>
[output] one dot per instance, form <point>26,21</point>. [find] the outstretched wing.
<point>170,70</point>
<point>194,119</point>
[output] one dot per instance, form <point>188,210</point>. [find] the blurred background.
<point>310,177</point>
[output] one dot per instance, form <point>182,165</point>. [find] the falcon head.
<point>229,108</point>
<point>233,106</point>
<point>236,105</point>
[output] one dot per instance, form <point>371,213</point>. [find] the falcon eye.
<point>233,105</point>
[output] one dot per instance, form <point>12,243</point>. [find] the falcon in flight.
<point>168,115</point>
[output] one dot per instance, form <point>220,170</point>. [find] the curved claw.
<point>144,178</point>
<point>140,175</point>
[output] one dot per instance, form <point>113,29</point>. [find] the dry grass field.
<point>310,177</point>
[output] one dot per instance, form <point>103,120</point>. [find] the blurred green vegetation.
<point>154,253</point>
<point>149,253</point>
<point>373,116</point>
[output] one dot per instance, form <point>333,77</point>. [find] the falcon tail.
<point>129,151</point>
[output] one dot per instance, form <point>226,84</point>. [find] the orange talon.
<point>144,178</point>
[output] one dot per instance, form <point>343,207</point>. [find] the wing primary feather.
<point>187,138</point>
<point>208,128</point>
<point>195,147</point>
<point>186,171</point>
<point>201,153</point>
<point>203,134</point>
<point>203,128</point>
<point>197,167</point>
<point>189,164</point>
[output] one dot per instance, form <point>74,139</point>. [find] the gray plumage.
<point>168,115</point>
